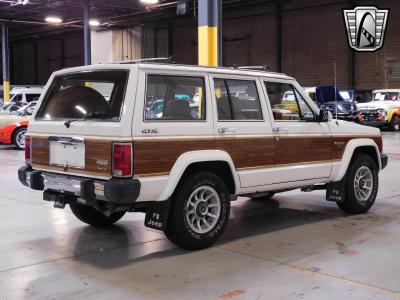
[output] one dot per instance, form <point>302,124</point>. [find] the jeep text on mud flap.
<point>180,142</point>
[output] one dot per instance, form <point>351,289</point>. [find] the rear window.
<point>85,95</point>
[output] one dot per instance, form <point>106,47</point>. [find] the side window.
<point>237,100</point>
<point>287,103</point>
<point>32,97</point>
<point>175,98</point>
<point>306,113</point>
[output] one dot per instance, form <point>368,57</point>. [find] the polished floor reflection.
<point>297,246</point>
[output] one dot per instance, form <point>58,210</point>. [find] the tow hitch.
<point>60,199</point>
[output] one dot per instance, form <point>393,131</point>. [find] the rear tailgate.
<point>84,157</point>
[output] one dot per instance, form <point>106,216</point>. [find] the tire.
<point>359,199</point>
<point>190,208</point>
<point>267,196</point>
<point>394,123</point>
<point>93,217</point>
<point>19,138</point>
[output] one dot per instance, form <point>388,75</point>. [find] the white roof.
<point>27,90</point>
<point>176,67</point>
<point>387,91</point>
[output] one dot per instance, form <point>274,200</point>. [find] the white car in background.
<point>25,94</point>
<point>383,110</point>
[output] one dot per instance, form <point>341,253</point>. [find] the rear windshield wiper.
<point>93,115</point>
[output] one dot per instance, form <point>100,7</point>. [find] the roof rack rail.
<point>167,60</point>
<point>256,68</point>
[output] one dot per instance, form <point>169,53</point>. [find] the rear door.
<point>173,115</point>
<point>302,144</point>
<point>242,128</point>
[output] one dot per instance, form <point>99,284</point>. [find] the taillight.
<point>122,160</point>
<point>28,150</point>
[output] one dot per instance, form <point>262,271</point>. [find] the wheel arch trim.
<point>192,157</point>
<point>351,147</point>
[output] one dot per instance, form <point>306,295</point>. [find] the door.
<point>241,128</point>
<point>302,144</point>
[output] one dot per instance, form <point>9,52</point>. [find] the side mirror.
<point>324,116</point>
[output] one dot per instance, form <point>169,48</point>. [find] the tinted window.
<point>237,100</point>
<point>177,98</point>
<point>287,103</point>
<point>85,95</point>
<point>32,97</point>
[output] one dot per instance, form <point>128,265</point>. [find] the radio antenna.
<point>336,103</point>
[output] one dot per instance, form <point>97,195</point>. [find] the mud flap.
<point>157,215</point>
<point>336,191</point>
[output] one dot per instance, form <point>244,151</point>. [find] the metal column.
<point>5,61</point>
<point>278,35</point>
<point>208,32</point>
<point>86,33</point>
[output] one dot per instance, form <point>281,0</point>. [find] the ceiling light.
<point>149,1</point>
<point>94,22</point>
<point>55,20</point>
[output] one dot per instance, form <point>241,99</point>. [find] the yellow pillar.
<point>6,91</point>
<point>5,61</point>
<point>208,32</point>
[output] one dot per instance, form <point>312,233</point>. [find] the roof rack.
<point>167,60</point>
<point>255,68</point>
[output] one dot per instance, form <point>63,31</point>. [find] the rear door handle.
<point>279,130</point>
<point>226,130</point>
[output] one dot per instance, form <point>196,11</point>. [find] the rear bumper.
<point>114,190</point>
<point>384,160</point>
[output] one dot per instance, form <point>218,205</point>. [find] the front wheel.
<point>394,124</point>
<point>361,185</point>
<point>199,211</point>
<point>93,217</point>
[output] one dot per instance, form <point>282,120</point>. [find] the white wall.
<point>116,45</point>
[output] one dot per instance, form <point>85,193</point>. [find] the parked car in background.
<point>340,102</point>
<point>383,110</point>
<point>10,108</point>
<point>13,126</point>
<point>25,94</point>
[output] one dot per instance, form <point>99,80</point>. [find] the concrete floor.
<point>295,247</point>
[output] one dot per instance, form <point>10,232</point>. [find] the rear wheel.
<point>361,185</point>
<point>93,217</point>
<point>199,211</point>
<point>19,138</point>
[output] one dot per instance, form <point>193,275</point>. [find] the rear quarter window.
<point>85,95</point>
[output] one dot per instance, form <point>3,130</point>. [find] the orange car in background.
<point>14,134</point>
<point>13,126</point>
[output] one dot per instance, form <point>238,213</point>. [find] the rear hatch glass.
<point>85,96</point>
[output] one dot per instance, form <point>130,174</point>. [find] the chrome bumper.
<point>72,185</point>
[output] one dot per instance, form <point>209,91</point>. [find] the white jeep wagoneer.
<point>179,143</point>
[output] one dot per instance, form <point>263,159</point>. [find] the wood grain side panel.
<point>294,150</point>
<point>249,152</point>
<point>339,144</point>
<point>159,156</point>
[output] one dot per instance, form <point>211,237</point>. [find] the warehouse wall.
<point>32,61</point>
<point>312,34</point>
<point>313,38</point>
